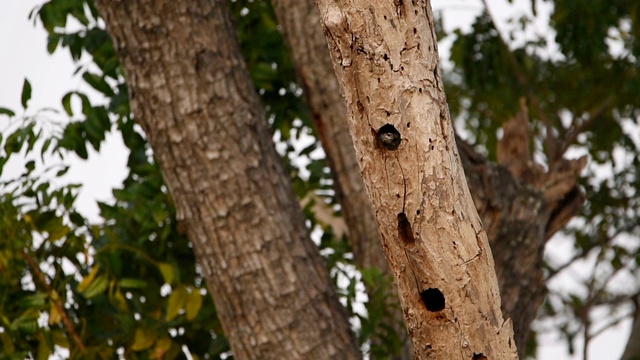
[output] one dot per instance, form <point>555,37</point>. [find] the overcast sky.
<point>24,55</point>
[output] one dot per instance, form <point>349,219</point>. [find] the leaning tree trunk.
<point>632,350</point>
<point>301,28</point>
<point>191,93</point>
<point>385,57</point>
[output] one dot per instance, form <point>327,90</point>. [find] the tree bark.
<point>300,23</point>
<point>515,215</point>
<point>385,57</point>
<point>190,91</point>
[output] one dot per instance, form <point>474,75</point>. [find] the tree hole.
<point>433,299</point>
<point>479,357</point>
<point>389,137</point>
<point>404,228</point>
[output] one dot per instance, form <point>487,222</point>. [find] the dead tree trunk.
<point>385,57</point>
<point>518,217</point>
<point>301,28</point>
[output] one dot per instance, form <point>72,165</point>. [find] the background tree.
<point>484,89</point>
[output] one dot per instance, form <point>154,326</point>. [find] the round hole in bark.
<point>479,356</point>
<point>433,299</point>
<point>389,137</point>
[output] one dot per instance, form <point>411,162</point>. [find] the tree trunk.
<point>300,22</point>
<point>385,57</point>
<point>191,93</point>
<point>515,216</point>
<point>632,350</point>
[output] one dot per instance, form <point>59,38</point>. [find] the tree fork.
<point>385,57</point>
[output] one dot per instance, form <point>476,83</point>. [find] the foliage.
<point>582,100</point>
<point>134,288</point>
<point>130,285</point>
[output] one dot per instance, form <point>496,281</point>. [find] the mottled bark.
<point>386,61</point>
<point>191,93</point>
<point>300,23</point>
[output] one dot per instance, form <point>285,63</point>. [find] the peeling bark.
<point>300,22</point>
<point>191,93</point>
<point>385,56</point>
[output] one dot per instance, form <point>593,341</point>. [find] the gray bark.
<point>191,93</point>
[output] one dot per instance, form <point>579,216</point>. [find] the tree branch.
<point>550,142</point>
<point>68,324</point>
<point>594,114</point>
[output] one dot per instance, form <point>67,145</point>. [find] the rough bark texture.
<point>191,93</point>
<point>514,214</point>
<point>521,207</point>
<point>385,57</point>
<point>300,22</point>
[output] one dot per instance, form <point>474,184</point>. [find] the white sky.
<point>23,49</point>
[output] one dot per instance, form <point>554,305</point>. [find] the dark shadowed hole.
<point>389,137</point>
<point>479,357</point>
<point>433,299</point>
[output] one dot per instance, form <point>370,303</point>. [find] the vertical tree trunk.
<point>191,93</point>
<point>301,28</point>
<point>385,57</point>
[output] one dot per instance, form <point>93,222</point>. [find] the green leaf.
<point>66,103</point>
<point>52,15</point>
<point>98,286</point>
<point>168,272</point>
<point>194,303</point>
<point>54,315</point>
<point>37,300</point>
<point>7,343</point>
<point>59,338</point>
<point>52,42</point>
<point>176,302</point>
<point>99,83</point>
<point>132,283</point>
<point>5,111</point>
<point>87,280</point>
<point>26,93</point>
<point>143,339</point>
<point>44,349</point>
<point>27,322</point>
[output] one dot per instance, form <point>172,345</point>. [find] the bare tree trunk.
<point>300,22</point>
<point>515,216</point>
<point>191,93</point>
<point>385,57</point>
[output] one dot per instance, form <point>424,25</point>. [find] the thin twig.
<point>594,114</point>
<point>68,324</point>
